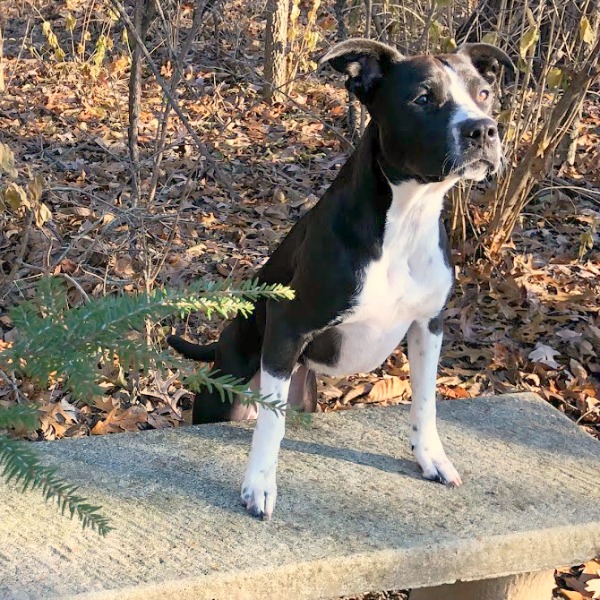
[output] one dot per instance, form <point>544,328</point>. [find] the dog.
<point>370,262</point>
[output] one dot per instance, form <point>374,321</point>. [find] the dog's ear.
<point>364,61</point>
<point>487,59</point>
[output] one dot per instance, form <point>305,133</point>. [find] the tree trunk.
<point>276,47</point>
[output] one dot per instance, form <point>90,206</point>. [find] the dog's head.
<point>433,112</point>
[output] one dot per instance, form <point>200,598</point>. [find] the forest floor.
<point>526,321</point>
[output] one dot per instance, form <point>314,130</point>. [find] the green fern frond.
<point>23,467</point>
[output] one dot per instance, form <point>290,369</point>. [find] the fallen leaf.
<point>568,334</point>
<point>388,388</point>
<point>356,391</point>
<point>330,391</point>
<point>121,420</point>
<point>578,369</point>
<point>124,266</point>
<point>594,587</point>
<point>454,392</point>
<point>16,196</point>
<point>592,567</point>
<point>544,354</point>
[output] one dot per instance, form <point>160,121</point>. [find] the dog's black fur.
<point>324,254</point>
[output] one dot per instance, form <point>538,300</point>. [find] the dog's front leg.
<point>424,345</point>
<point>281,348</point>
<point>259,490</point>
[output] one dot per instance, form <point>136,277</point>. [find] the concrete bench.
<point>353,515</point>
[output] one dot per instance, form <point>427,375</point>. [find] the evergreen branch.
<point>109,317</point>
<point>22,465</point>
<point>230,388</point>
<point>19,415</point>
<point>84,332</point>
<point>252,290</point>
<point>296,417</point>
<point>211,296</point>
<point>221,304</point>
<point>58,341</point>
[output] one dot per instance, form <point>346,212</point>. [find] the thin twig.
<point>135,99</point>
<point>419,46</point>
<point>363,110</point>
<point>175,79</point>
<point>77,286</point>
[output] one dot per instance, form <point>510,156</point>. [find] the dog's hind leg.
<point>302,395</point>
<point>238,354</point>
<point>303,390</point>
<point>424,345</point>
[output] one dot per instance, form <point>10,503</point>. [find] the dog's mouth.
<point>476,168</point>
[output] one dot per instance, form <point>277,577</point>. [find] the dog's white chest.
<point>409,281</point>
<point>400,287</point>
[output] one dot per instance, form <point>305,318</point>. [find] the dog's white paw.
<point>430,455</point>
<point>259,491</point>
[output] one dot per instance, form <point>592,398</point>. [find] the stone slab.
<point>353,513</point>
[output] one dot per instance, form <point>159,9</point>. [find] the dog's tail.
<point>194,351</point>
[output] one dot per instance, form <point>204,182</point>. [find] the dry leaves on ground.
<point>581,582</point>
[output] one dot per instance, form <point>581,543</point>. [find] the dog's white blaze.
<point>466,109</point>
<point>409,281</point>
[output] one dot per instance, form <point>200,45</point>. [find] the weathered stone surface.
<point>353,513</point>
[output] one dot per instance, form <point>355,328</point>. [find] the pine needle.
<point>22,466</point>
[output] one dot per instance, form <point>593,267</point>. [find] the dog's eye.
<point>483,95</point>
<point>423,99</point>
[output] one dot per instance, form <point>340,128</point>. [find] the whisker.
<point>449,159</point>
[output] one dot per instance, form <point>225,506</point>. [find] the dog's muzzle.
<point>479,151</point>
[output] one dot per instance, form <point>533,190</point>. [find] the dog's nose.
<point>479,131</point>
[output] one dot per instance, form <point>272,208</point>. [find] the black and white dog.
<point>369,263</point>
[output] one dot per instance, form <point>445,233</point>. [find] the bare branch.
<point>219,174</point>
